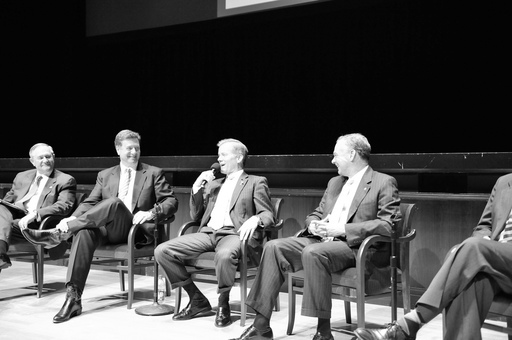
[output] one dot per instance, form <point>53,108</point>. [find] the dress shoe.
<point>252,333</point>
<point>392,332</point>
<point>48,238</point>
<point>319,336</point>
<point>223,317</point>
<point>72,306</point>
<point>5,261</point>
<point>194,309</point>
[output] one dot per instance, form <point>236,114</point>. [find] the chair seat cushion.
<point>378,281</point>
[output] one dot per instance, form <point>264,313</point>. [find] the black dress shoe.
<point>5,261</point>
<point>194,309</point>
<point>72,306</point>
<point>223,317</point>
<point>319,336</point>
<point>48,238</point>
<point>393,331</point>
<point>252,333</point>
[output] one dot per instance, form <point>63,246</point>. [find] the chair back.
<point>403,227</point>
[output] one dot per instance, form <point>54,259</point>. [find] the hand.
<point>207,176</point>
<point>142,216</point>
<point>63,224</point>
<point>317,227</point>
<point>247,229</point>
<point>26,220</point>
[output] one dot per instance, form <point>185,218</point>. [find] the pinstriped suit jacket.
<point>250,197</point>
<point>497,209</point>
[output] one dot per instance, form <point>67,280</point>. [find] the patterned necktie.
<point>32,191</point>
<point>123,189</point>
<point>506,234</point>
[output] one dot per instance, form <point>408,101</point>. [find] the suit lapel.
<point>140,179</point>
<point>47,189</point>
<point>242,182</point>
<point>504,211</point>
<point>113,185</point>
<point>363,189</point>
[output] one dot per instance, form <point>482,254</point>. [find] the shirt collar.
<point>358,176</point>
<point>235,175</point>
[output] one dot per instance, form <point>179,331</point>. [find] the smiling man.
<point>123,195</point>
<point>230,209</point>
<point>34,195</point>
<point>356,204</point>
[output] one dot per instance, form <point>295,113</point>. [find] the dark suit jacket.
<point>375,207</point>
<point>150,187</point>
<point>497,209</point>
<point>57,197</point>
<point>250,197</point>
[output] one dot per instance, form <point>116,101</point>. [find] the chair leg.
<point>121,277</point>
<point>348,312</point>
<point>130,283</point>
<point>40,270</point>
<point>360,310</point>
<point>291,305</point>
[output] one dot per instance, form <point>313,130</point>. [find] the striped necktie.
<point>32,191</point>
<point>506,234</point>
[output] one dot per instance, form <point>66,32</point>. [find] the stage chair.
<point>350,285</point>
<point>130,259</point>
<point>23,251</point>
<point>202,268</point>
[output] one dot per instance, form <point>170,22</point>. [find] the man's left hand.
<point>26,220</point>
<point>142,216</point>
<point>247,229</point>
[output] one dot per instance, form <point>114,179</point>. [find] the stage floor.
<point>105,316</point>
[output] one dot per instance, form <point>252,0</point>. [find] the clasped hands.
<point>324,228</point>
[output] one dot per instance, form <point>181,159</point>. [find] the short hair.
<point>359,143</point>
<point>35,146</point>
<point>239,147</point>
<point>125,134</point>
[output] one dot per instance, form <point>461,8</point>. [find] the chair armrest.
<point>186,226</point>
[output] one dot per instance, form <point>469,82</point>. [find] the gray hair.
<point>35,146</point>
<point>359,143</point>
<point>239,147</point>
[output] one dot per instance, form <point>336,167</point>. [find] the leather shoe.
<point>393,331</point>
<point>194,309</point>
<point>72,306</point>
<point>5,261</point>
<point>252,333</point>
<point>223,317</point>
<point>48,238</point>
<point>319,336</point>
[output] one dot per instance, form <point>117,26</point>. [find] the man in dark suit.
<point>36,194</point>
<point>123,195</point>
<point>473,273</point>
<point>230,209</point>
<point>358,203</point>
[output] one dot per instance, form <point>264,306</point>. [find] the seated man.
<point>230,209</point>
<point>34,195</point>
<point>358,203</point>
<point>124,195</point>
<point>473,273</point>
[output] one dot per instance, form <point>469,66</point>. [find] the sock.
<point>193,292</point>
<point>224,299</point>
<point>261,323</point>
<point>3,247</point>
<point>324,327</point>
<point>410,323</point>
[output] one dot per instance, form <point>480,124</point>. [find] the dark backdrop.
<point>413,76</point>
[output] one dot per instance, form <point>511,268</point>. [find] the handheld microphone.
<point>214,168</point>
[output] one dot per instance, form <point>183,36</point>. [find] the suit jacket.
<point>497,209</point>
<point>150,187</point>
<point>57,197</point>
<point>375,207</point>
<point>250,197</point>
